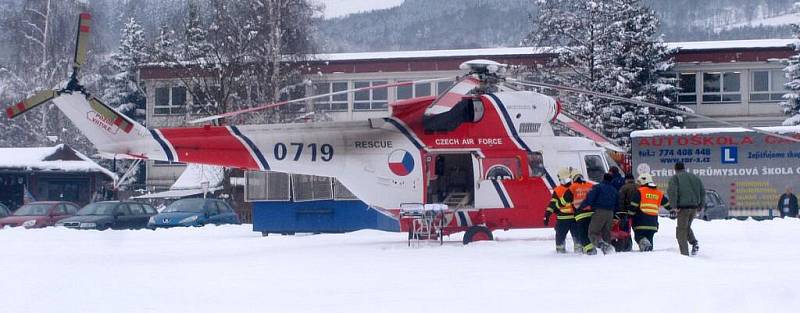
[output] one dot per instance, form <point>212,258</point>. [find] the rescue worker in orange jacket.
<point>644,209</point>
<point>561,204</point>
<point>580,189</point>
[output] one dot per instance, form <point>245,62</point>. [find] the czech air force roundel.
<point>401,162</point>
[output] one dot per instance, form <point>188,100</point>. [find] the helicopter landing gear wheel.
<point>477,233</point>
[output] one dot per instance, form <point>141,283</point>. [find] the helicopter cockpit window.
<point>594,167</point>
<point>536,164</point>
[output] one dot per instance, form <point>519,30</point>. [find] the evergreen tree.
<point>791,106</point>
<point>123,91</point>
<point>608,46</point>
<point>165,49</point>
<point>641,59</point>
<point>196,46</point>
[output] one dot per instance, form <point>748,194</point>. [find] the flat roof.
<point>713,130</point>
<point>524,51</point>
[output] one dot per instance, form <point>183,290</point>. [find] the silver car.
<point>715,208</point>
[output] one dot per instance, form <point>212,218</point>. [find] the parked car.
<point>194,212</point>
<point>39,214</point>
<point>715,207</point>
<point>4,211</point>
<point>111,215</point>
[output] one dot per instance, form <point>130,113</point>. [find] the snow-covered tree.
<point>40,33</point>
<point>123,91</point>
<point>791,106</point>
<point>608,46</point>
<point>242,58</point>
<point>641,60</point>
<point>165,48</point>
<point>196,46</point>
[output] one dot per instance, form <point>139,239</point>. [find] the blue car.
<point>194,212</point>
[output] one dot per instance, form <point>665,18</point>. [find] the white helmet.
<point>576,174</point>
<point>645,179</point>
<point>564,175</point>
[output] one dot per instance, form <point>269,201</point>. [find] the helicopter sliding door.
<point>451,179</point>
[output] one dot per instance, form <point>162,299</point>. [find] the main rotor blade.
<point>84,22</point>
<point>277,104</point>
<point>646,104</point>
<point>110,116</point>
<point>30,103</point>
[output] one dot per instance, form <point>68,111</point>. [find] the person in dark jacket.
<point>787,204</point>
<point>626,194</point>
<point>617,180</point>
<point>603,201</point>
<point>686,193</point>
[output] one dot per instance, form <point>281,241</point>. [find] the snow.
<point>794,120</point>
<point>743,266</point>
<point>706,131</point>
<point>732,44</point>
<point>339,8</point>
<point>784,19</point>
<point>34,159</point>
<point>191,182</point>
<point>428,54</point>
<point>516,51</point>
<point>195,175</point>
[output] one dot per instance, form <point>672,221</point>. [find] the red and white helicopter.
<point>484,148</point>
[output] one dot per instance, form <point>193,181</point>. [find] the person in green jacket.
<point>687,194</point>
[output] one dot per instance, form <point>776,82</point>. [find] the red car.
<point>39,214</point>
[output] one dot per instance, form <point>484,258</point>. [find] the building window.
<point>414,91</point>
<point>170,101</point>
<point>443,86</point>
<point>767,86</point>
<point>374,99</point>
<point>721,87</point>
<point>687,92</point>
<point>334,103</point>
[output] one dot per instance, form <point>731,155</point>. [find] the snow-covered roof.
<point>47,159</point>
<point>521,51</point>
<point>732,44</point>
<point>191,182</point>
<point>430,54</point>
<point>706,131</point>
<point>195,175</point>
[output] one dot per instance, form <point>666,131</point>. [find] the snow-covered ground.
<point>778,20</point>
<point>339,8</point>
<point>743,267</point>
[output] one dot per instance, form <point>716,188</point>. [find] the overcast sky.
<point>336,8</point>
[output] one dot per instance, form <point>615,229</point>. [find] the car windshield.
<point>99,208</point>
<point>33,209</point>
<point>186,205</point>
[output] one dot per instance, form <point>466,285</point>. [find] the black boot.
<point>695,248</point>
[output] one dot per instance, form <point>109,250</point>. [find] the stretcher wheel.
<point>477,233</point>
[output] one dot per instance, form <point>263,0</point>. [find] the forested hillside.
<point>444,24</point>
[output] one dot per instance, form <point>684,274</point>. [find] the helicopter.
<point>483,152</point>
